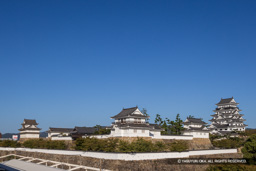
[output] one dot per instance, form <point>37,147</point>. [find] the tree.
<point>191,116</point>
<point>162,123</point>
<point>249,149</point>
<point>145,112</point>
<point>178,125</point>
<point>158,120</point>
<point>101,130</point>
<point>170,127</point>
<point>97,127</point>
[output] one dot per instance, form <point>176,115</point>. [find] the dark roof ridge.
<point>128,113</point>
<point>130,108</point>
<point>30,122</point>
<point>224,101</point>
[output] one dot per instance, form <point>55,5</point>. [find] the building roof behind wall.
<point>60,129</point>
<point>194,120</point>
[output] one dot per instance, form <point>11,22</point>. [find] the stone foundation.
<point>145,165</point>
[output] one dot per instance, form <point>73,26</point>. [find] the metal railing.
<point>54,164</point>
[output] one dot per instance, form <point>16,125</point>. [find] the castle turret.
<point>227,117</point>
<point>29,129</point>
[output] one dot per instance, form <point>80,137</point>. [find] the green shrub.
<point>124,146</point>
<point>159,146</point>
<point>45,144</point>
<point>249,150</point>
<point>94,144</point>
<point>79,143</point>
<point>141,145</point>
<point>110,145</point>
<point>249,132</point>
<point>226,167</point>
<point>102,131</point>
<point>9,143</point>
<point>228,143</point>
<point>178,146</point>
<point>115,145</point>
<point>214,137</point>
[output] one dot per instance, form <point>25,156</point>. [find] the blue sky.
<point>76,63</point>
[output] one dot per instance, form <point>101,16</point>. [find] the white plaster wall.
<point>155,133</point>
<point>129,133</point>
<point>50,134</point>
<point>127,156</point>
<point>99,136</point>
<point>36,131</point>
<point>174,137</point>
<point>62,138</point>
<point>137,112</point>
<point>197,134</point>
<point>29,135</point>
<point>131,120</point>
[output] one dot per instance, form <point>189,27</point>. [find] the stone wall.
<point>151,165</point>
<point>145,165</point>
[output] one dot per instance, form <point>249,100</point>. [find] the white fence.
<point>5,139</point>
<point>98,136</point>
<point>166,137</point>
<point>126,156</point>
<point>174,137</point>
<point>61,138</point>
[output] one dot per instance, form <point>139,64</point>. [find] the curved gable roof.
<point>228,100</point>
<point>128,112</point>
<point>30,122</point>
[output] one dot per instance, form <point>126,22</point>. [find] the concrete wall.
<point>126,156</point>
<point>197,134</point>
<point>28,135</point>
<point>62,138</point>
<point>130,133</point>
<point>174,137</point>
<point>50,134</point>
<point>98,136</point>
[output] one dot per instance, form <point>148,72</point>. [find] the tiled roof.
<point>30,122</point>
<point>223,101</point>
<point>155,126</point>
<point>25,129</point>
<point>126,112</point>
<point>133,125</point>
<point>84,130</point>
<point>195,120</point>
<point>224,132</point>
<point>202,128</point>
<point>221,126</point>
<point>60,129</point>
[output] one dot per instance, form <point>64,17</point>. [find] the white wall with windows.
<point>197,134</point>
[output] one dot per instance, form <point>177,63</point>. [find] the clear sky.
<point>77,63</point>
